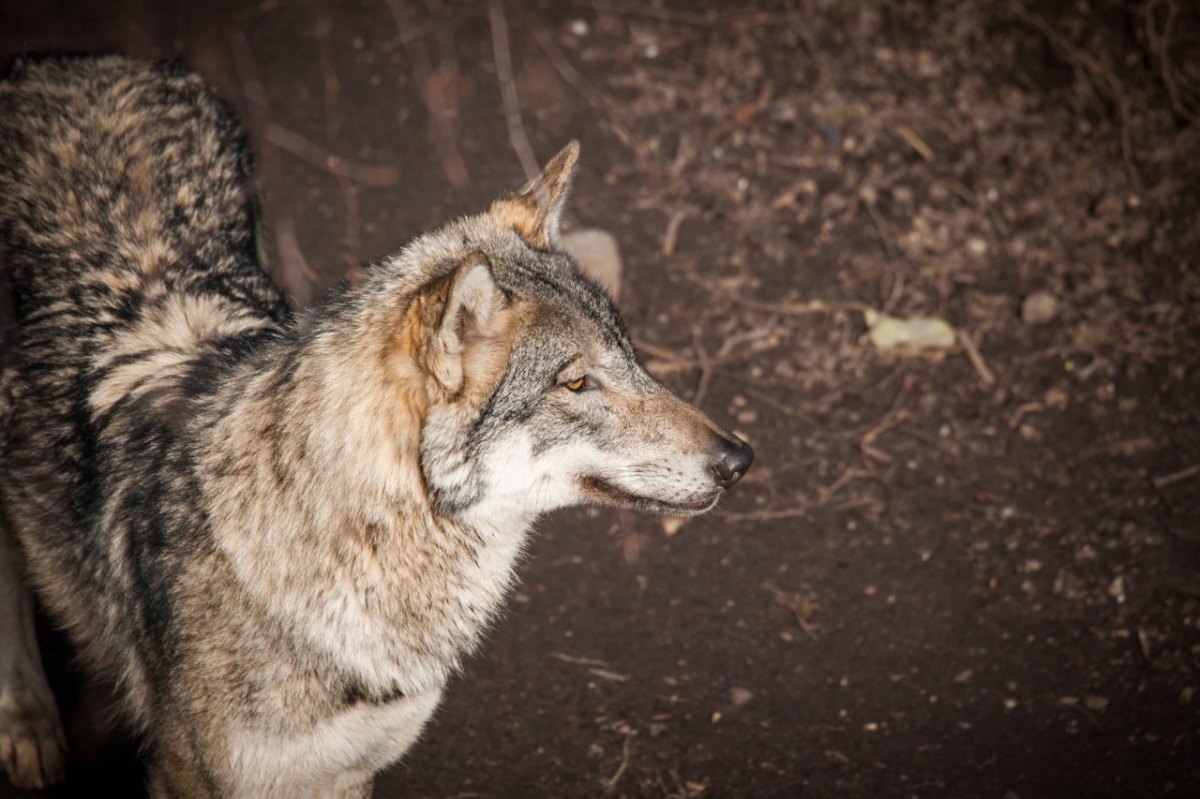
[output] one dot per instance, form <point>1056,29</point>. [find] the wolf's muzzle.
<point>733,459</point>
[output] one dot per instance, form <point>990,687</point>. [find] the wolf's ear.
<point>470,312</point>
<point>534,211</point>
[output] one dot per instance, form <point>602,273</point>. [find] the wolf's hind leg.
<point>32,744</point>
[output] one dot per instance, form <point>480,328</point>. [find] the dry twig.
<point>889,249</point>
<point>768,514</point>
<point>316,155</point>
<point>508,90</point>
<point>801,607</point>
<point>848,476</point>
<point>1099,73</point>
<point>610,784</point>
<point>914,141</point>
<point>608,674</point>
<point>669,238</point>
<point>707,363</point>
<point>442,127</point>
<point>578,661</point>
<point>666,354</point>
<point>1183,474</point>
<point>981,368</point>
<point>866,444</point>
<point>289,249</point>
<point>332,86</point>
<point>288,140</point>
<point>595,97</point>
<point>1160,46</point>
<point>291,257</point>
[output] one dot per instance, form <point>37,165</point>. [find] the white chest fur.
<point>362,740</point>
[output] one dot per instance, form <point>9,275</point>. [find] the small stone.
<point>1056,398</point>
<point>1097,703</point>
<point>579,27</point>
<point>740,696</point>
<point>1039,308</point>
<point>672,524</point>
<point>598,257</point>
<point>977,246</point>
<point>783,111</point>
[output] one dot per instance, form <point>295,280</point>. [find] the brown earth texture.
<point>964,571</point>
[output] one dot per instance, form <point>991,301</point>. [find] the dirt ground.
<point>969,573</point>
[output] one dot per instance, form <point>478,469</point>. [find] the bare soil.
<point>946,575</point>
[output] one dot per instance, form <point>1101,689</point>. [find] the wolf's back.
<point>120,180</point>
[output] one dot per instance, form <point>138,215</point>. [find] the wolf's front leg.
<point>32,745</point>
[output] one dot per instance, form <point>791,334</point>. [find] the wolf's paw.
<point>32,744</point>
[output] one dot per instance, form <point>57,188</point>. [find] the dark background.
<point>944,576</point>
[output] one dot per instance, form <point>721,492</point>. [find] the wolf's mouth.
<point>597,485</point>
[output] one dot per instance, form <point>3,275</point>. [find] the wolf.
<point>280,535</point>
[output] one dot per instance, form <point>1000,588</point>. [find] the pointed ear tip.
<point>569,154</point>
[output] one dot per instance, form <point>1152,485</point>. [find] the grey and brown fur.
<point>281,536</point>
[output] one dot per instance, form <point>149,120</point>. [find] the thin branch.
<point>598,99</point>
<point>508,90</point>
<point>312,153</point>
<point>797,511</point>
<point>353,240</point>
<point>1184,474</point>
<point>981,368</point>
<point>672,234</point>
<point>1101,74</point>
<point>889,249</point>
<point>578,661</point>
<point>290,141</point>
<point>610,784</point>
<point>442,127</point>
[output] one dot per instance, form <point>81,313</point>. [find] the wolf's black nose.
<point>735,458</point>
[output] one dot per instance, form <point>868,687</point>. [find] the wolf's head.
<point>535,399</point>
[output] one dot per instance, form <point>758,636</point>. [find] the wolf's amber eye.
<point>577,384</point>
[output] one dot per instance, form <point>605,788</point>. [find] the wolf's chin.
<point>610,494</point>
